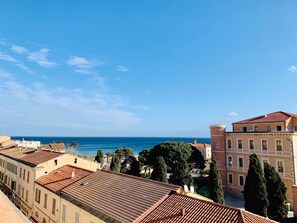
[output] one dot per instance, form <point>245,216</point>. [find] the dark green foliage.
<point>276,190</point>
<point>215,182</point>
<point>172,152</point>
<point>99,158</point>
<point>115,164</point>
<point>255,193</point>
<point>143,158</point>
<point>181,174</point>
<point>196,159</point>
<point>124,152</point>
<point>160,170</point>
<point>134,168</point>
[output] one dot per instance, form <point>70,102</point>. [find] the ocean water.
<point>90,145</point>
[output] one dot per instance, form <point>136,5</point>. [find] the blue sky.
<point>143,68</point>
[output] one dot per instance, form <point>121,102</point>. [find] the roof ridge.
<point>76,167</point>
<point>242,216</point>
<point>259,216</point>
<point>140,178</point>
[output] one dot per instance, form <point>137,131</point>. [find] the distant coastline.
<point>88,146</point>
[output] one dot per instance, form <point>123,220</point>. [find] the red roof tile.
<point>272,117</point>
<point>169,211</point>
<point>62,177</point>
<point>39,157</point>
<point>114,196</point>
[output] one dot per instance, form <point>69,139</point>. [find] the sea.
<point>88,146</point>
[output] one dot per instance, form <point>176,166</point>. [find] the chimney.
<point>182,211</point>
<point>72,174</point>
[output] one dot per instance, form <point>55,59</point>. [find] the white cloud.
<point>292,69</point>
<point>122,68</point>
<point>8,58</point>
<point>18,49</point>
<point>2,42</point>
<point>40,57</point>
<point>83,65</point>
<point>233,114</point>
<point>69,109</point>
<point>4,73</point>
<point>81,71</point>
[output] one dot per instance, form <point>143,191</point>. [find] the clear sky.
<point>143,67</point>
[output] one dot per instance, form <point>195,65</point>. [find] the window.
<point>63,212</point>
<point>37,195</point>
<point>280,166</point>
<point>251,144</point>
<point>230,178</point>
<point>230,161</point>
<point>295,128</point>
<point>239,143</point>
<point>5,179</point>
<point>20,173</point>
<point>54,206</point>
<point>45,201</point>
<point>28,176</point>
<point>279,146</point>
<point>278,128</point>
<point>245,129</point>
<point>229,143</point>
<point>265,161</point>
<point>240,162</point>
<point>56,162</point>
<point>75,160</point>
<point>241,181</point>
<point>27,193</point>
<point>76,219</point>
<point>264,144</point>
<point>19,190</point>
<point>24,174</point>
<point>256,128</point>
<point>23,189</point>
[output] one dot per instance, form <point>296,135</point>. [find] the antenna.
<point>186,189</point>
<point>192,189</point>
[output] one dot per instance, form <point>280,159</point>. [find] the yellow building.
<point>273,137</point>
<point>20,167</point>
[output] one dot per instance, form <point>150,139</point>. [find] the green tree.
<point>215,182</point>
<point>124,152</point>
<point>276,190</point>
<point>181,174</point>
<point>255,193</point>
<point>134,168</point>
<point>160,170</point>
<point>99,158</point>
<point>115,164</point>
<point>196,159</point>
<point>143,158</point>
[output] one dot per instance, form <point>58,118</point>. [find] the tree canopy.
<point>134,168</point>
<point>115,164</point>
<point>124,152</point>
<point>276,190</point>
<point>160,170</point>
<point>196,159</point>
<point>255,192</point>
<point>99,157</point>
<point>215,182</point>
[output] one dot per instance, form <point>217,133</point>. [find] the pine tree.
<point>135,168</point>
<point>99,158</point>
<point>276,190</point>
<point>181,173</point>
<point>255,193</point>
<point>215,182</point>
<point>115,164</point>
<point>160,170</point>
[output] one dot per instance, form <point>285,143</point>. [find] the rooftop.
<point>59,146</point>
<point>38,157</point>
<point>62,177</point>
<point>200,145</point>
<point>278,116</point>
<point>116,196</point>
<point>16,152</point>
<point>199,211</point>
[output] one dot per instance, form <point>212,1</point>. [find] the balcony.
<point>260,151</point>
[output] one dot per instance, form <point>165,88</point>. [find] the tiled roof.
<point>54,146</point>
<point>62,177</point>
<point>16,152</point>
<point>278,116</point>
<point>169,211</point>
<point>200,145</point>
<point>39,157</point>
<point>115,196</point>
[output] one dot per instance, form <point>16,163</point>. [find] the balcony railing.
<point>260,151</point>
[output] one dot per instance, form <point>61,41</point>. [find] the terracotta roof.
<point>62,177</point>
<point>200,145</point>
<point>16,152</point>
<point>115,196</point>
<point>60,146</point>
<point>278,116</point>
<point>169,211</point>
<point>39,157</point>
